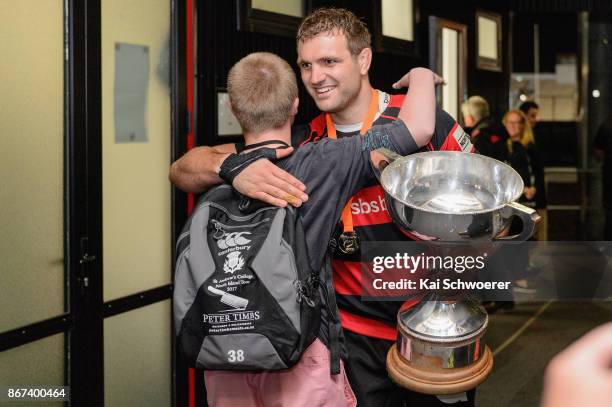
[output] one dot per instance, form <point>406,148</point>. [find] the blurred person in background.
<point>487,136</point>
<point>520,137</point>
<point>532,114</point>
<point>603,150</point>
<point>489,139</point>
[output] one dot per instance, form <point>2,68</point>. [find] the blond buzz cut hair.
<point>262,89</point>
<point>331,20</point>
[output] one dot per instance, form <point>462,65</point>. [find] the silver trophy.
<point>443,197</point>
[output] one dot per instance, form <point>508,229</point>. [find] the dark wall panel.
<point>558,35</point>
<point>493,86</point>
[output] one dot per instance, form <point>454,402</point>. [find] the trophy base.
<point>438,380</point>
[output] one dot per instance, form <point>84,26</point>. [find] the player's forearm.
<point>197,170</point>
<point>418,111</point>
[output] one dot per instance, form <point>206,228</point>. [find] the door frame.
<point>84,309</point>
<point>436,24</point>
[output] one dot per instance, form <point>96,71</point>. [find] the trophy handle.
<point>529,217</point>
<point>381,158</point>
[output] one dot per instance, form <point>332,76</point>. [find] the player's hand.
<point>266,182</point>
<point>438,80</point>
<point>404,81</point>
<point>581,375</point>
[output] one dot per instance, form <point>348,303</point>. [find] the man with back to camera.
<point>334,56</point>
<point>263,95</point>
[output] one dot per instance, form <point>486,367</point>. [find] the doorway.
<point>448,57</point>
<point>91,96</point>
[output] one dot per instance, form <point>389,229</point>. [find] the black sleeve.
<point>537,168</point>
<point>333,170</point>
<point>535,160</point>
<point>520,162</point>
<point>481,145</point>
<point>345,163</point>
<point>394,136</point>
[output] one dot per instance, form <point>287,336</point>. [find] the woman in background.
<point>532,110</point>
<point>520,142</point>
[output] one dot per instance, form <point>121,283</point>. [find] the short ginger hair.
<point>262,89</point>
<point>331,20</point>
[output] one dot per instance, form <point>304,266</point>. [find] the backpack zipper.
<point>240,218</point>
<point>224,226</point>
<point>221,228</point>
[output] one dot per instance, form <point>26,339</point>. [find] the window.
<point>286,7</point>
<point>489,38</point>
<point>227,124</point>
<point>393,27</point>
<point>448,57</point>
<point>278,17</point>
<point>397,19</point>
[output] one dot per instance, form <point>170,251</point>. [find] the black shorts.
<point>367,374</point>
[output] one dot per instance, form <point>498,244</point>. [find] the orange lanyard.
<point>347,216</point>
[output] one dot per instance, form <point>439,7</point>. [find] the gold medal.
<point>348,242</point>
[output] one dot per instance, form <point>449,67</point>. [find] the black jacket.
<point>489,138</point>
<point>537,173</point>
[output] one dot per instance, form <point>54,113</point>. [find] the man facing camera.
<point>334,57</point>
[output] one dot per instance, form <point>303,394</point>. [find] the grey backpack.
<point>245,296</point>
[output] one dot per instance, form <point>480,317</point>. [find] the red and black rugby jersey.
<point>372,222</point>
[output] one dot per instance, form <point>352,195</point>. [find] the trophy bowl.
<point>453,196</point>
<point>442,197</point>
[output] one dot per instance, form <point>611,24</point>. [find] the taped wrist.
<point>234,164</point>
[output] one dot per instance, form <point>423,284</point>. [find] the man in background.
<point>488,137</point>
<point>532,112</point>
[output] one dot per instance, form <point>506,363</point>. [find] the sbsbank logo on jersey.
<point>364,207</point>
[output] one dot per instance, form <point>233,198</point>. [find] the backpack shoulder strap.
<point>334,325</point>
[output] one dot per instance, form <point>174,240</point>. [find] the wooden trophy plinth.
<point>437,380</point>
